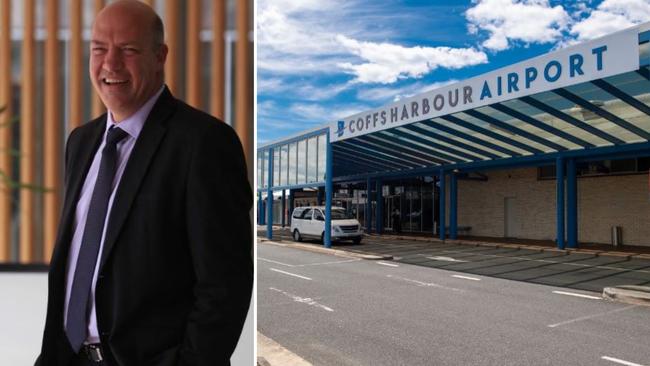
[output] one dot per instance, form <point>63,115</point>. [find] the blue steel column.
<point>379,224</point>
<point>559,184</point>
<point>260,209</point>
<point>443,193</point>
<point>329,187</point>
<point>368,206</point>
<point>284,207</point>
<point>453,206</point>
<point>269,198</point>
<point>572,204</point>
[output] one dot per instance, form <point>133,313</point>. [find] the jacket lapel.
<point>84,150</point>
<point>143,152</point>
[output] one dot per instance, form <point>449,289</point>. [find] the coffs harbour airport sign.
<point>611,55</point>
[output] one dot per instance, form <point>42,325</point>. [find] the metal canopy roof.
<point>608,112</point>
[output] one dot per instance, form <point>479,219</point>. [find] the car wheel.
<point>296,235</point>
<point>357,240</point>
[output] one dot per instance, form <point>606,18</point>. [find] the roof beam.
<point>463,135</point>
<point>518,131</point>
<point>393,143</point>
<point>448,140</point>
<point>602,113</point>
<point>372,154</point>
<point>494,135</point>
<point>541,125</point>
<point>391,152</point>
<point>571,120</point>
<point>618,93</point>
<point>428,149</point>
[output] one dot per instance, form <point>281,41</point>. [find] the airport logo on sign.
<point>341,128</point>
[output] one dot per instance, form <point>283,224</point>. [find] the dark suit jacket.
<point>176,271</point>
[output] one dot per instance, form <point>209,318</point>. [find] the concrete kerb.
<point>332,251</point>
<point>638,295</point>
<point>271,353</point>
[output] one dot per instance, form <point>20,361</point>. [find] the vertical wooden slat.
<point>52,129</point>
<point>218,59</point>
<point>148,2</point>
<point>27,108</point>
<point>76,64</point>
<point>193,65</point>
<point>97,107</point>
<point>243,95</point>
<point>171,30</point>
<point>5,130</point>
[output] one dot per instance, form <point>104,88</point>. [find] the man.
<point>152,264</point>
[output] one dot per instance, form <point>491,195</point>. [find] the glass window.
<point>306,214</point>
<point>292,163</point>
<point>322,157</point>
<point>265,167</point>
<point>259,170</point>
<point>318,215</point>
<point>302,162</point>
<point>284,165</point>
<point>276,167</point>
<point>312,159</point>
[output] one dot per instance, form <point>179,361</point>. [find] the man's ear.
<point>161,55</point>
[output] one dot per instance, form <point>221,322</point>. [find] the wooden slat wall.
<point>52,130</point>
<point>243,94</point>
<point>171,35</point>
<point>5,129</point>
<point>193,64</point>
<point>27,108</point>
<point>76,63</point>
<point>217,86</point>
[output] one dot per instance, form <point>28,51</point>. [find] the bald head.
<point>140,13</point>
<point>127,59</point>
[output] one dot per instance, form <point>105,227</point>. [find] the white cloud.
<point>611,16</point>
<point>528,21</point>
<point>387,62</point>
<point>386,94</point>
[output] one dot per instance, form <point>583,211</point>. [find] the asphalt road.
<point>334,310</point>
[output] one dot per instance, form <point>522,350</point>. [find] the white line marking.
<point>577,295</point>
<point>425,284</point>
<point>622,362</point>
<point>387,264</point>
<point>276,262</point>
<point>290,274</point>
<point>446,259</point>
<point>304,300</point>
<point>466,278</point>
<point>323,263</point>
<point>592,316</point>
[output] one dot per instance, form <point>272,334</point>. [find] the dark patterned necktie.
<point>78,309</point>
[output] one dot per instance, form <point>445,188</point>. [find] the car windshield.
<point>340,215</point>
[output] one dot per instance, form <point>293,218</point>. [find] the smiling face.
<point>126,61</point>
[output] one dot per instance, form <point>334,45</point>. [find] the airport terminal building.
<point>553,148</point>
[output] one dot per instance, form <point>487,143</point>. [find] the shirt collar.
<point>134,124</point>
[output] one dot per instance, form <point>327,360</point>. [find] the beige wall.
<point>603,202</point>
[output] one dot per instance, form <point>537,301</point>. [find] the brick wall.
<point>603,202</point>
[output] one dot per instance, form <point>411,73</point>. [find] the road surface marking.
<point>591,316</point>
<point>425,284</point>
<point>577,295</point>
<point>622,362</point>
<point>547,261</point>
<point>276,262</point>
<point>446,259</point>
<point>387,264</point>
<point>323,263</point>
<point>290,274</point>
<point>304,300</point>
<point>466,278</point>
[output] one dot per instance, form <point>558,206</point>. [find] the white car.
<point>310,222</point>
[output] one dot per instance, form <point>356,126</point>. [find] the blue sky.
<point>319,61</point>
